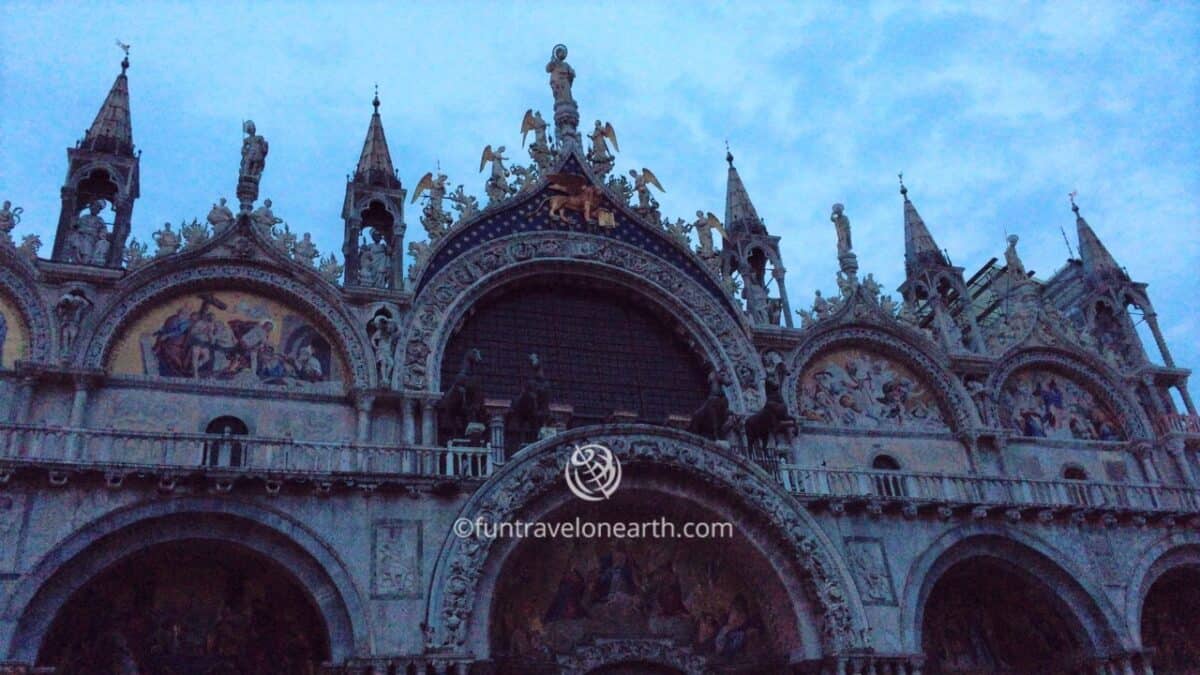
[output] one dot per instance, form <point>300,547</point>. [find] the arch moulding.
<point>450,294</point>
<point>70,565</point>
<point>1179,549</point>
<point>17,282</point>
<point>458,608</point>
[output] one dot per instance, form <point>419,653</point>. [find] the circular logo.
<point>593,472</point>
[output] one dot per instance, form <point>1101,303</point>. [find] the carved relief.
<point>396,559</point>
<point>858,388</point>
<point>1049,404</point>
<point>868,562</point>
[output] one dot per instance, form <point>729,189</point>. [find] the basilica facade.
<point>222,452</point>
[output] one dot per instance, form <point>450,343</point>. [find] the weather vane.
<point>124,47</point>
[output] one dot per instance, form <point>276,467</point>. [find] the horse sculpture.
<point>531,409</point>
<point>711,419</point>
<point>773,418</point>
<point>462,403</point>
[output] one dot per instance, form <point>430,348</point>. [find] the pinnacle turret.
<point>740,214</point>
<point>920,250</point>
<point>112,130</point>
<point>1097,261</point>
<point>375,163</point>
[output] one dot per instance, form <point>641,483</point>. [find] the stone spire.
<point>1097,261</point>
<point>740,214</point>
<point>920,250</point>
<point>375,162</point>
<point>111,131</point>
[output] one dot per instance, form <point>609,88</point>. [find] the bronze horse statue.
<point>711,419</point>
<point>462,403</point>
<point>531,409</point>
<point>771,419</point>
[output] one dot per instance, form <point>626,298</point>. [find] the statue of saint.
<point>9,217</point>
<point>305,251</point>
<point>167,240</point>
<point>254,152</point>
<point>374,259</point>
<point>383,337</point>
<point>100,252</point>
<point>562,75</point>
<point>842,224</point>
<point>81,244</point>
<point>71,308</point>
<point>220,217</point>
<point>264,218</point>
<point>1013,261</point>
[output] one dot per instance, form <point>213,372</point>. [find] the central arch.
<point>455,289</point>
<point>116,537</point>
<point>825,612</point>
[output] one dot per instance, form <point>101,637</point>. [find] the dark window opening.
<point>225,451</point>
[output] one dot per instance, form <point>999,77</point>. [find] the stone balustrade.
<point>158,452</point>
<point>907,486</point>
<point>1179,424</point>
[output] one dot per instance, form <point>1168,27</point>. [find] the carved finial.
<point>903,190</point>
<point>728,154</point>
<point>125,61</point>
<point>375,101</point>
<point>1072,195</point>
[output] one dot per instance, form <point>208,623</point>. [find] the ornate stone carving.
<point>396,559</point>
<point>540,150</point>
<point>383,331</point>
<point>220,216</point>
<point>589,658</point>
<point>330,269</point>
<point>598,154</point>
<point>455,286</point>
<point>87,243</point>
<point>167,241</point>
<point>375,261</point>
<point>454,590</point>
<point>9,219</point>
<point>466,205</point>
<point>71,308</point>
<point>434,218</point>
<point>16,283</point>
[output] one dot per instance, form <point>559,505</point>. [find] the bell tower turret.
<point>374,215</point>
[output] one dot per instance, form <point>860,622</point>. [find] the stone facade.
<point>237,456</point>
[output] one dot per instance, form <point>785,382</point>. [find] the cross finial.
<point>1072,195</point>
<point>903,190</point>
<point>375,101</point>
<point>728,154</point>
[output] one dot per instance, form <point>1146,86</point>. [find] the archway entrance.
<point>192,607</point>
<point>714,599</point>
<point>983,617</point>
<point>1171,621</point>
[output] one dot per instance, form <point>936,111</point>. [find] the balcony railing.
<point>1179,424</point>
<point>862,484</point>
<point>158,452</point>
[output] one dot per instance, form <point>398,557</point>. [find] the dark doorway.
<point>1171,621</point>
<point>226,451</point>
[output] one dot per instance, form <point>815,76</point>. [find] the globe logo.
<point>593,472</point>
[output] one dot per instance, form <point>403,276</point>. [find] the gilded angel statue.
<point>433,217</point>
<point>598,154</point>
<point>540,150</point>
<point>497,184</point>
<point>641,184</point>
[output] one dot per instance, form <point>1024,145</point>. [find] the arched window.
<point>225,451</point>
<point>1074,473</point>
<point>885,485</point>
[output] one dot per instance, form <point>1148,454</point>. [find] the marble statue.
<point>305,251</point>
<point>842,224</point>
<point>598,154</point>
<point>374,261</point>
<point>497,184</point>
<point>167,241</point>
<point>540,151</point>
<point>466,205</point>
<point>704,225</point>
<point>820,306</point>
<point>383,331</point>
<point>71,308</point>
<point>100,252</point>
<point>254,152</point>
<point>30,244</point>
<point>419,251</point>
<point>641,185</point>
<point>220,216</point>
<point>1015,268</point>
<point>9,219</point>
<point>756,302</point>
<point>81,244</point>
<point>562,75</point>
<point>434,218</point>
<point>265,220</point>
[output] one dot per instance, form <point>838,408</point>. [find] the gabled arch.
<point>531,484</point>
<point>140,292</point>
<point>1096,619</point>
<point>313,564</point>
<point>455,288</point>
<point>953,401</point>
<point>1101,382</point>
<point>18,283</point>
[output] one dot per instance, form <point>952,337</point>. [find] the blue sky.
<point>993,111</point>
